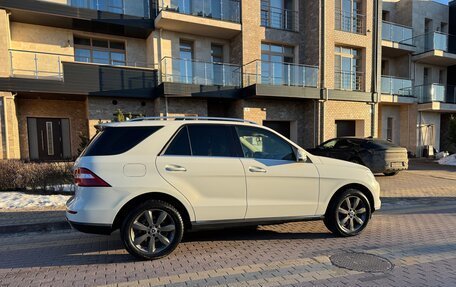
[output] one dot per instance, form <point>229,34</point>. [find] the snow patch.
<point>449,160</point>
<point>20,200</point>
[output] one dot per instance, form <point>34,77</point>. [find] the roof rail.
<point>190,118</point>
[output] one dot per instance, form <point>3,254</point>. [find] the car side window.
<point>329,144</point>
<point>212,140</point>
<point>343,144</point>
<point>180,144</point>
<point>262,144</point>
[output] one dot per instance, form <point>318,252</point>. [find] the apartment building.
<point>312,70</point>
<point>418,65</point>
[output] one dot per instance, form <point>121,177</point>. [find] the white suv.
<point>155,178</point>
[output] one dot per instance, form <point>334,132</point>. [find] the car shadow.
<point>96,249</point>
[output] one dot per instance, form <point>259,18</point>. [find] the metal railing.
<point>350,22</point>
<point>434,41</point>
<point>435,93</point>
<point>42,65</point>
<point>397,33</point>
<point>279,74</point>
<point>186,71</point>
<point>349,80</point>
<point>397,86</point>
<point>226,10</point>
<point>139,8</point>
<point>278,18</point>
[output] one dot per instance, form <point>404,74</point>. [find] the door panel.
<point>280,188</point>
<point>277,185</point>
<point>49,138</point>
<point>214,185</point>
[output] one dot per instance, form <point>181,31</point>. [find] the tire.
<point>153,220</point>
<point>353,219</point>
<point>391,173</point>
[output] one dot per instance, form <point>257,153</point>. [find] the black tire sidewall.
<point>331,215</point>
<point>152,204</point>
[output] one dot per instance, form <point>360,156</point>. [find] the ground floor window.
<point>345,128</point>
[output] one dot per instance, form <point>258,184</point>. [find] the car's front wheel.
<point>348,214</point>
<point>390,173</point>
<point>152,230</point>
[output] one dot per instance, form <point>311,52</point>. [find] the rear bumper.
<point>103,229</point>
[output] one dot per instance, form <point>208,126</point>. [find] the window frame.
<point>237,145</point>
<point>107,49</point>
<point>293,148</point>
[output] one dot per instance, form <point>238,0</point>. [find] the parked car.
<point>156,179</point>
<point>380,156</point>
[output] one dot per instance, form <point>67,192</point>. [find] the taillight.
<point>86,178</point>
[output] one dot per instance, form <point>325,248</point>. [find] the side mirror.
<point>301,156</point>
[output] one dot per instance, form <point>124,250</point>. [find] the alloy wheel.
<point>351,214</point>
<point>152,231</point>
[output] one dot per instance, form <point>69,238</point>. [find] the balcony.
<point>349,81</point>
<point>280,74</point>
<point>396,86</point>
<point>435,93</point>
<point>350,22</point>
<point>220,18</point>
<point>49,66</point>
<point>130,18</point>
<point>396,38</point>
<point>435,48</point>
<point>58,73</point>
<point>138,8</point>
<point>272,17</point>
<point>193,72</point>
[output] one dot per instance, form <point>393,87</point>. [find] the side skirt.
<point>220,224</point>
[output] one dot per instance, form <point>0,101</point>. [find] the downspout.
<point>323,90</point>
<point>375,54</point>
<point>160,35</point>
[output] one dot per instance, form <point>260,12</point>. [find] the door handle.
<point>256,169</point>
<point>175,168</point>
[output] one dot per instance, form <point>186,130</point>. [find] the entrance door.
<point>49,139</point>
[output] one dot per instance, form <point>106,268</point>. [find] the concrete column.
<point>5,67</point>
<point>9,127</point>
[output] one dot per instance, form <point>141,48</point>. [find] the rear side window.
<point>117,140</point>
<point>212,140</point>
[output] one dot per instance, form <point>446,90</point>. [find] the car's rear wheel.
<point>391,173</point>
<point>348,214</point>
<point>152,230</point>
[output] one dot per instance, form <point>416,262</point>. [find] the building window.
<point>100,51</point>
<point>349,17</point>
<point>186,58</point>
<point>278,14</point>
<point>348,74</point>
<point>114,6</point>
<point>217,64</point>
<point>389,129</point>
<point>275,63</point>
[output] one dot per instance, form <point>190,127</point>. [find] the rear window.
<point>379,144</point>
<point>112,141</point>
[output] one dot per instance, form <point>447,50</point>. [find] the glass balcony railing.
<point>435,93</point>
<point>350,22</point>
<point>280,74</point>
<point>397,86</point>
<point>349,80</point>
<point>40,65</point>
<point>397,33</point>
<point>138,8</point>
<point>226,10</point>
<point>186,71</point>
<point>434,41</point>
<point>277,18</point>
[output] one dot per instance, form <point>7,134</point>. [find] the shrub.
<point>20,175</point>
